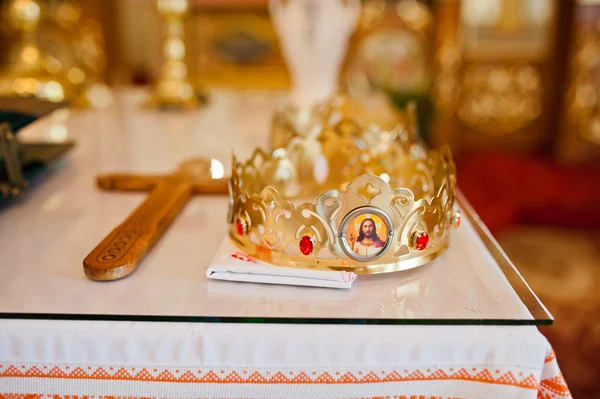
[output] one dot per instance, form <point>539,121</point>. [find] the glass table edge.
<point>540,315</point>
<point>538,311</point>
<point>270,320</point>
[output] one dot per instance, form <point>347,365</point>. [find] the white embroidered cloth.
<point>232,265</point>
<point>100,359</point>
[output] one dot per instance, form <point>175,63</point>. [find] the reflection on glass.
<point>57,130</point>
<point>217,171</point>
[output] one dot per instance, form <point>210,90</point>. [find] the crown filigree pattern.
<point>371,118</point>
<point>338,151</point>
<point>377,210</point>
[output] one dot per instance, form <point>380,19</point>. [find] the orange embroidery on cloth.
<point>555,385</point>
<point>21,396</point>
<point>551,356</point>
<point>257,377</point>
<point>37,396</point>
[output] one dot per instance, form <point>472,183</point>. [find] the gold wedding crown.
<point>383,203</point>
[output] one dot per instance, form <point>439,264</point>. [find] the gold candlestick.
<point>173,89</point>
<point>29,72</point>
<point>78,45</point>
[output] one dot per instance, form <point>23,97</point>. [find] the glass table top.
<point>46,236</point>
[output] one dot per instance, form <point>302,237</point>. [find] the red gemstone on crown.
<point>421,241</point>
<point>306,245</point>
<point>239,227</point>
<point>457,219</point>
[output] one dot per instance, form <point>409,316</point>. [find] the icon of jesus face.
<point>367,228</point>
<point>366,233</point>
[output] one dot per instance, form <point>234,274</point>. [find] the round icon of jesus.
<point>366,233</point>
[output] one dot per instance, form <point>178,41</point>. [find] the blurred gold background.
<point>512,85</point>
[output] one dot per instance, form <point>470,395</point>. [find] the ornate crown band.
<point>382,211</point>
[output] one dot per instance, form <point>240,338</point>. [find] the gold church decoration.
<point>173,88</point>
<point>494,74</point>
<point>500,99</point>
<point>235,46</point>
<point>579,135</point>
<point>77,45</point>
<point>585,90</point>
<point>391,49</point>
<point>368,116</point>
<point>30,71</point>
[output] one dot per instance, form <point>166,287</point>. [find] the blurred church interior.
<point>512,85</point>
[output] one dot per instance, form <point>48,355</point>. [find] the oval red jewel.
<point>458,219</point>
<point>239,227</point>
<point>421,241</point>
<point>306,245</point>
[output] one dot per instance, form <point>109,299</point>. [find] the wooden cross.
<point>119,254</point>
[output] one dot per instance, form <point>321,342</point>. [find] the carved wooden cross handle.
<point>119,254</point>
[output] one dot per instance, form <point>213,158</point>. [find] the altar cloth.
<point>96,359</point>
